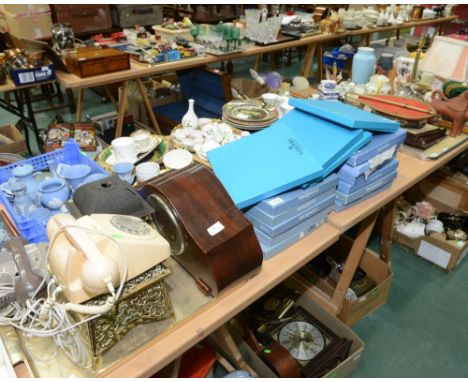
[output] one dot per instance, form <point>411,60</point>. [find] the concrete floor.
<point>421,330</point>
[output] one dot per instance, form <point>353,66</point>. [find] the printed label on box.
<point>215,228</point>
<point>26,78</point>
<point>274,202</point>
<point>433,253</point>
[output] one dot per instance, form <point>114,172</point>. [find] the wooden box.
<point>84,18</point>
<point>92,62</point>
<point>129,15</point>
<point>11,140</point>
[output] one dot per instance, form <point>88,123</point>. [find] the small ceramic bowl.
<point>177,159</point>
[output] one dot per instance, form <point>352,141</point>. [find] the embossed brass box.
<point>144,299</point>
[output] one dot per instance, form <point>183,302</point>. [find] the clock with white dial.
<point>302,339</point>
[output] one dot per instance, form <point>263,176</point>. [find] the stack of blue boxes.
<point>370,170</point>
<point>284,219</point>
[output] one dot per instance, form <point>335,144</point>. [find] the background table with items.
<point>137,71</point>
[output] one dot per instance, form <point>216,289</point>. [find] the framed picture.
<point>7,227</point>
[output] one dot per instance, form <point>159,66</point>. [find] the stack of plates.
<point>249,114</point>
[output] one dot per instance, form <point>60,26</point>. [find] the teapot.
<point>455,109</point>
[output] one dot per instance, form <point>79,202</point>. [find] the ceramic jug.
<point>190,119</point>
<point>455,109</point>
<point>25,173</point>
<point>53,193</point>
<point>363,65</point>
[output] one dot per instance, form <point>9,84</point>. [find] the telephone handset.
<point>97,270</point>
<point>84,260</point>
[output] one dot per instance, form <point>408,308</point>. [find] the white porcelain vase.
<point>190,119</point>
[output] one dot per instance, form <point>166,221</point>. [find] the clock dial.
<point>302,339</point>
<point>166,223</point>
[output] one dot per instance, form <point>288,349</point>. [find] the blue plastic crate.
<point>70,154</point>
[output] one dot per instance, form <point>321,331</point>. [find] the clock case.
<point>336,349</point>
<point>208,234</point>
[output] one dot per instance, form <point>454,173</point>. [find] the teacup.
<point>427,78</point>
<point>386,61</point>
<point>125,149</point>
<point>124,170</point>
<point>142,140</point>
<point>147,170</point>
<point>327,86</point>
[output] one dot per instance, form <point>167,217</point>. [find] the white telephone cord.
<point>49,318</point>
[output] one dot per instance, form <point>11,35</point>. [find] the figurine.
<point>455,109</point>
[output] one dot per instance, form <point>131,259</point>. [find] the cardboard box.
<point>377,270</point>
<point>18,146</point>
<point>405,241</point>
<point>18,9</point>
<point>442,252</point>
<point>448,188</point>
<point>346,367</point>
<point>343,370</point>
<point>250,88</point>
<point>29,25</point>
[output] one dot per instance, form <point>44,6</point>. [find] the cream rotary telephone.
<point>85,260</point>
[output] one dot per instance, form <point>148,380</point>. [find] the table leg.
<point>368,39</point>
<point>386,234</point>
<point>224,339</point>
<point>148,107</point>
<point>308,60</point>
<point>354,258</point>
<point>111,96</point>
<point>71,100</point>
<point>122,109</point>
<point>176,367</point>
<point>319,61</point>
<point>258,61</point>
<point>79,105</point>
<point>32,120</point>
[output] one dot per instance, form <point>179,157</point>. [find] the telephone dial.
<point>88,253</point>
